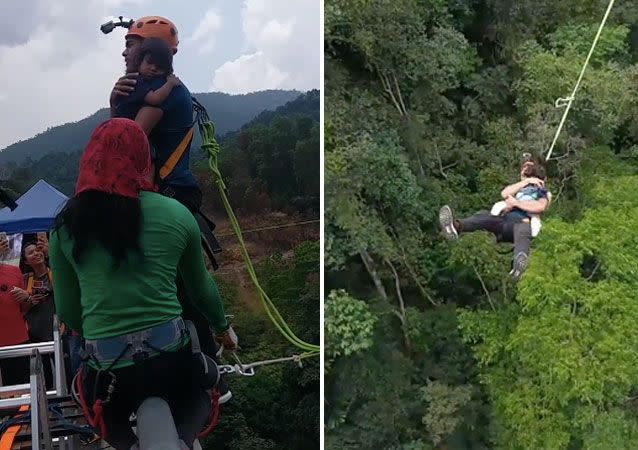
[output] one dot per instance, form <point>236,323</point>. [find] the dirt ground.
<point>282,234</point>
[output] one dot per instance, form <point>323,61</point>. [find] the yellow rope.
<point>273,227</point>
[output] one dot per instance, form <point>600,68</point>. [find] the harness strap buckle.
<point>139,348</point>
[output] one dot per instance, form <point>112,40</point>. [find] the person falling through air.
<point>514,220</point>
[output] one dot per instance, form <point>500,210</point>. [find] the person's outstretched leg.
<point>522,243</point>
<point>479,221</point>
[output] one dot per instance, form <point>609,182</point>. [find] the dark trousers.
<point>505,230</point>
<point>14,370</point>
<point>40,321</point>
<point>170,376</point>
<point>191,197</point>
<point>73,347</point>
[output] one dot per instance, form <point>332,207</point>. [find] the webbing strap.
<point>31,278</point>
<point>8,437</point>
<point>172,160</point>
<point>195,347</point>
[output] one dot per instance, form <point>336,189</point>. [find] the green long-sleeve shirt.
<point>103,302</point>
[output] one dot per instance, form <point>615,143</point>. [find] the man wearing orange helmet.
<point>168,127</point>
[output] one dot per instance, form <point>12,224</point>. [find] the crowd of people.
<point>26,302</point>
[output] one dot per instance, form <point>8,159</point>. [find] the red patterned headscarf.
<point>117,160</point>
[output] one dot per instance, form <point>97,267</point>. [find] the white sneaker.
<point>225,398</point>
<point>446,219</point>
<point>518,267</point>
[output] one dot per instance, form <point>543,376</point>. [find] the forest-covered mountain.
<point>229,113</point>
<point>272,163</point>
<point>430,344</point>
<point>306,104</point>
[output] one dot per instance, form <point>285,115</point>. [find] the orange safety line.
<point>6,441</point>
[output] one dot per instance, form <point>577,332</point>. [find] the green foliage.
<point>566,364</point>
<point>576,39</point>
<point>229,112</point>
<point>551,73</point>
<point>271,163</point>
<point>431,103</point>
<point>348,325</point>
<point>279,407</point>
<point>415,445</point>
<point>443,414</point>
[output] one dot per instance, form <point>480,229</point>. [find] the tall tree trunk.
<point>401,312</point>
<point>368,262</point>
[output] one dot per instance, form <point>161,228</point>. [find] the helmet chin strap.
<point>111,25</point>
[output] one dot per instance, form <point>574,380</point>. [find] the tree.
<point>431,103</point>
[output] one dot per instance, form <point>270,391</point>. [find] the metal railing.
<point>40,429</point>
<point>34,392</point>
<point>53,347</point>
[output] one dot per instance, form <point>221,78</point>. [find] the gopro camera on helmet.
<point>109,26</point>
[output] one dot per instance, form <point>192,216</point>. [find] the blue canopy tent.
<point>35,212</point>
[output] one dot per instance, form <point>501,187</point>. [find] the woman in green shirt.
<point>114,252</point>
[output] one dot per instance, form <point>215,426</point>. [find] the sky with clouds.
<point>56,66</point>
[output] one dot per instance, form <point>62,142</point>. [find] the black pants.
<point>505,230</point>
<point>40,321</point>
<point>170,376</point>
<point>191,197</point>
<point>15,370</point>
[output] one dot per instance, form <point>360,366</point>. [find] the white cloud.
<point>205,34</point>
<point>282,48</point>
<point>57,67</point>
<point>115,3</point>
<point>61,71</point>
<point>252,70</point>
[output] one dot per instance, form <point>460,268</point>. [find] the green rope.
<point>211,148</point>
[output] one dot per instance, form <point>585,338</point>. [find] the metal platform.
<point>45,430</point>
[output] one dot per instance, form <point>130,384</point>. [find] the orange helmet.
<point>155,27</point>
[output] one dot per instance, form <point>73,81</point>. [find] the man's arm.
<point>512,189</point>
<point>147,117</point>
<point>532,206</point>
<point>123,88</point>
<point>199,284</point>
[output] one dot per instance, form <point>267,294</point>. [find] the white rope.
<point>567,102</point>
<point>249,369</point>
